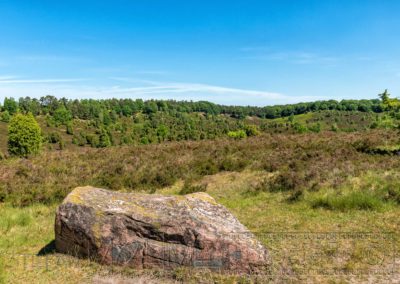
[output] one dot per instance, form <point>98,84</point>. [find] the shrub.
<point>104,139</point>
<point>24,135</point>
<point>53,137</point>
<point>92,140</point>
<point>239,134</point>
<point>189,187</point>
<point>285,181</point>
<point>299,128</point>
<point>315,128</point>
<point>5,116</point>
<point>80,139</point>
<point>70,129</point>
<point>251,130</point>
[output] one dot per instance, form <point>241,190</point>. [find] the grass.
<point>350,201</point>
<point>26,231</point>
<point>310,182</point>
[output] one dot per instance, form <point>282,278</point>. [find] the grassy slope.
<point>27,230</point>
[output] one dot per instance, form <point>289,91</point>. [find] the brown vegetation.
<point>298,161</point>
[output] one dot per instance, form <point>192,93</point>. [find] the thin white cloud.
<point>134,80</point>
<point>16,80</point>
<point>172,88</point>
<point>162,90</point>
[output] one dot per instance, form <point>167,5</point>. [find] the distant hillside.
<point>102,123</point>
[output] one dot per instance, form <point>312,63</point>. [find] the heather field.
<point>310,183</point>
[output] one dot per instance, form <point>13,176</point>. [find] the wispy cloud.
<point>176,88</point>
<point>134,80</point>
<point>295,57</point>
<point>136,88</point>
<point>17,80</point>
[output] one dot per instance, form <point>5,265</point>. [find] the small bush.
<point>53,137</point>
<point>285,181</point>
<point>189,187</point>
<point>5,116</point>
<point>251,130</point>
<point>70,129</point>
<point>239,134</point>
<point>299,128</point>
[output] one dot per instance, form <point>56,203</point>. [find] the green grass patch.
<point>349,201</point>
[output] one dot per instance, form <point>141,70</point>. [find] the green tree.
<point>62,115</point>
<point>10,105</point>
<point>389,103</point>
<point>162,132</point>
<point>24,135</point>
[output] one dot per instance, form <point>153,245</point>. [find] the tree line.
<point>110,109</point>
<point>103,123</point>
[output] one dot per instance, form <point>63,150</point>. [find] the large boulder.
<point>149,231</point>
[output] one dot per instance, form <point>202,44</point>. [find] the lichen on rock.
<point>149,230</point>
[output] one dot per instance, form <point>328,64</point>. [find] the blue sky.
<point>229,52</point>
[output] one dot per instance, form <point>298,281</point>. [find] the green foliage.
<point>351,201</point>
<point>24,135</point>
<point>239,134</point>
<point>10,105</point>
<point>162,132</point>
<point>92,140</point>
<point>389,103</point>
<point>70,129</point>
<point>62,115</point>
<point>299,128</point>
<point>54,137</point>
<point>251,130</point>
<point>5,116</point>
<point>107,110</point>
<point>104,139</point>
<point>315,128</point>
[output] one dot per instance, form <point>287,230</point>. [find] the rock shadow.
<point>50,248</point>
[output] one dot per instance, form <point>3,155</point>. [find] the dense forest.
<point>109,109</point>
<point>103,123</point>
